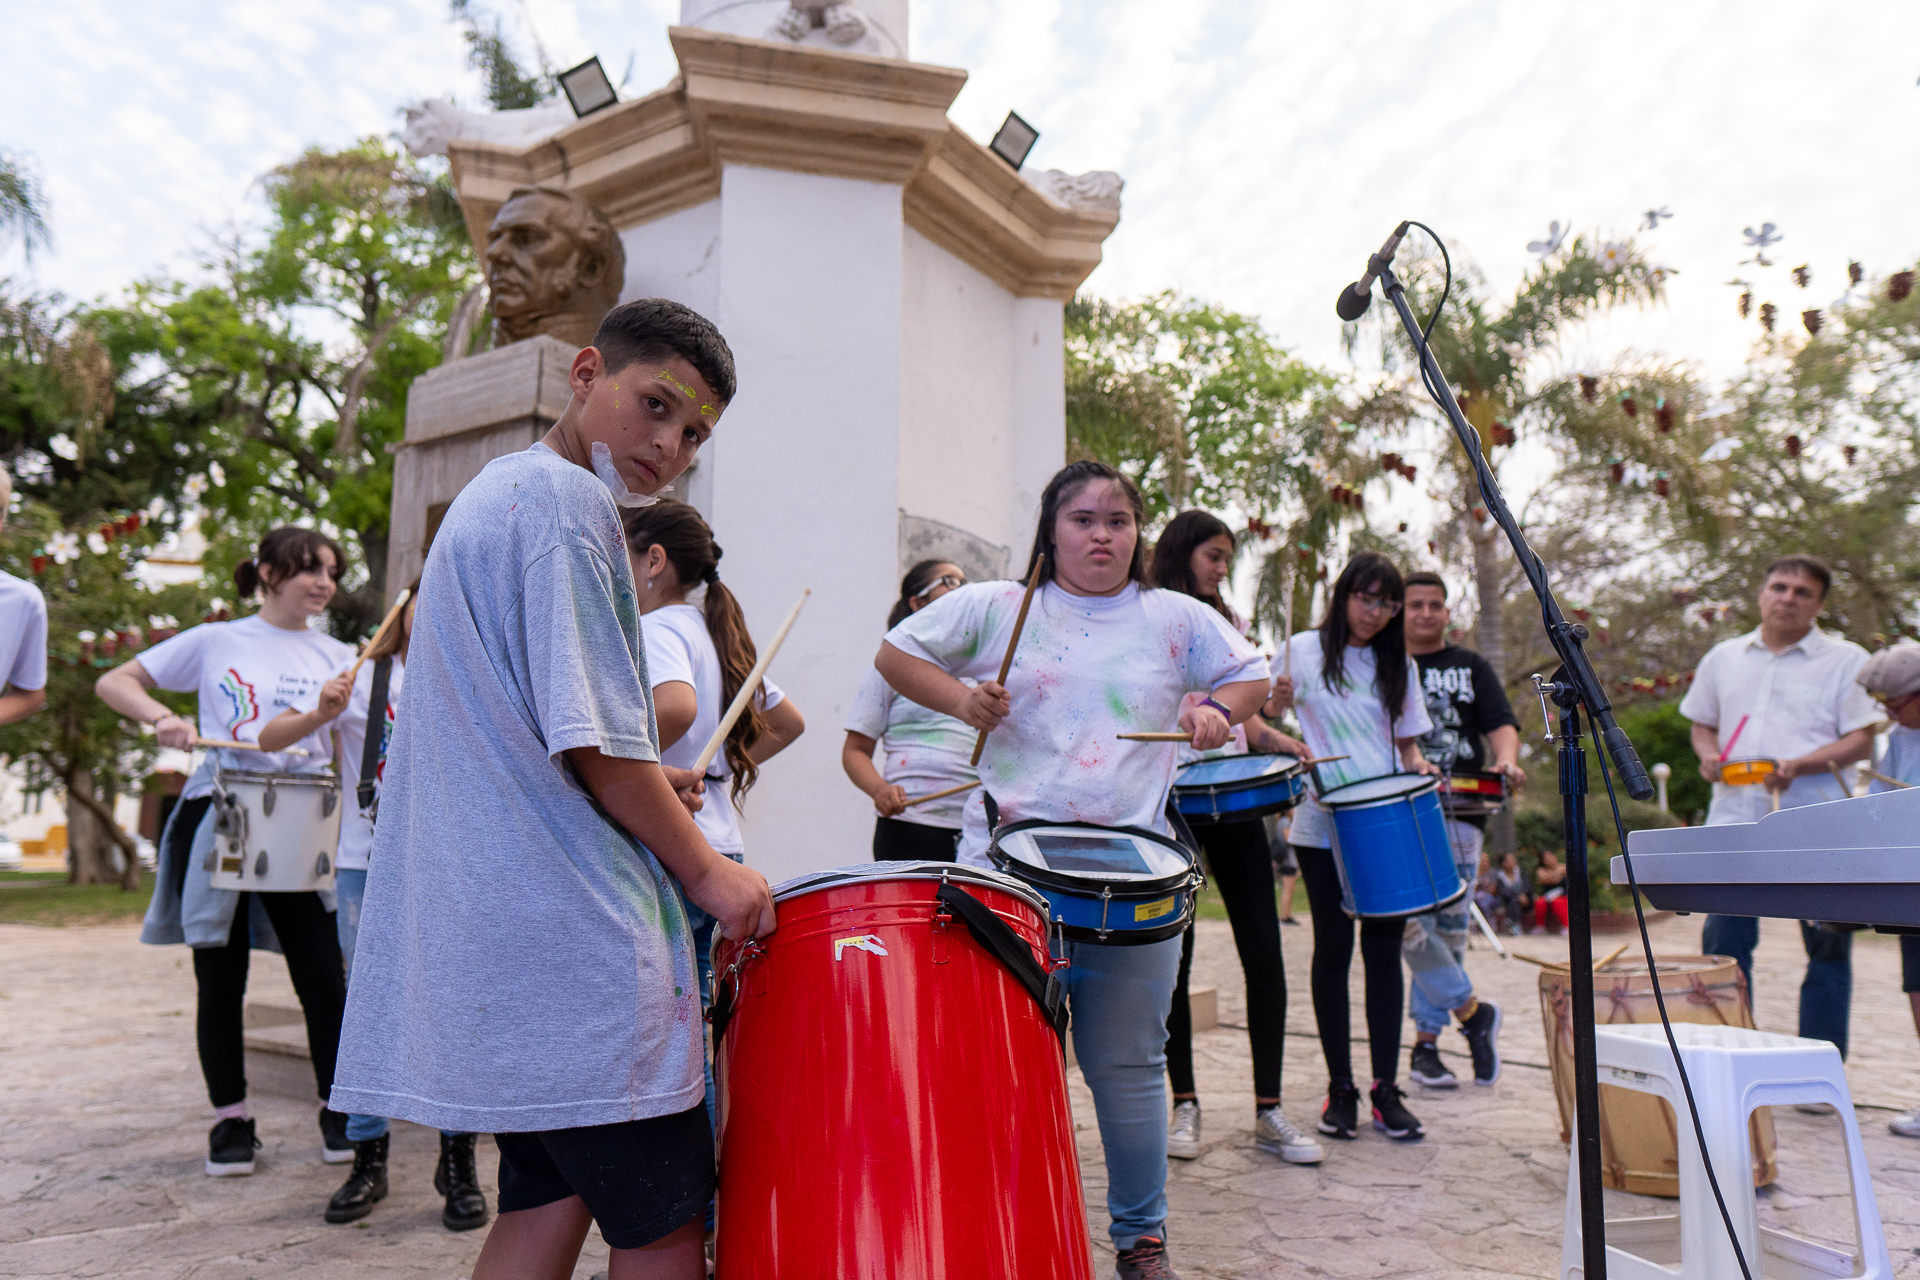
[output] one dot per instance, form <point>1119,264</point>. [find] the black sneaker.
<point>1482,1031</point>
<point>1426,1068</point>
<point>1340,1117</point>
<point>366,1186</point>
<point>456,1179</point>
<point>1390,1115</point>
<point>1147,1260</point>
<point>230,1149</point>
<point>334,1147</point>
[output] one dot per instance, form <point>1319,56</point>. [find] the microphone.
<point>1358,296</point>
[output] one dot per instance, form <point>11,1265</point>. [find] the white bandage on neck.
<point>616,485</point>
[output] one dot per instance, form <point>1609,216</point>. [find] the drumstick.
<point>1728,749</point>
<point>393,616</point>
<point>1286,618</point>
<point>1774,796</point>
<point>1154,737</point>
<point>1840,778</point>
<point>1881,777</point>
<point>229,745</point>
<point>1019,623</point>
<point>941,795</point>
<point>1480,921</point>
<point>1611,956</point>
<point>748,687</point>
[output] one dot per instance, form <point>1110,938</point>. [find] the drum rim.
<point>1428,781</point>
<point>867,873</point>
<point>1294,774</point>
<point>304,778</point>
<point>1122,890</point>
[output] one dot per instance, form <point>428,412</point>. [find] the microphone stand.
<point>1574,686</point>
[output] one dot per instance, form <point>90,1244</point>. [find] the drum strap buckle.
<point>723,1004</point>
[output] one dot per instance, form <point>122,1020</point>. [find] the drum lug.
<point>329,802</point>
<point>260,864</point>
<point>1106,901</point>
<point>321,866</point>
<point>266,801</point>
<point>942,919</point>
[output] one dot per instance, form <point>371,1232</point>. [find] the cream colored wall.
<point>982,408</point>
<point>678,257</point>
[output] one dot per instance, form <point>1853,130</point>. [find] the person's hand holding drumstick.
<point>984,706</point>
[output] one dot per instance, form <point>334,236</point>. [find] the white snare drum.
<point>274,832</point>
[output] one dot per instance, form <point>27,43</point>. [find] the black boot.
<point>456,1180</point>
<point>365,1186</point>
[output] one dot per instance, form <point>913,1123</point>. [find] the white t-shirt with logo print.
<point>678,648</point>
<point>356,828</point>
<point>245,673</point>
<point>1087,669</point>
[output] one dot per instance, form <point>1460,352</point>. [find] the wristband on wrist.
<point>1209,702</point>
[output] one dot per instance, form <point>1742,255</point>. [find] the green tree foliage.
<point>99,613</point>
<point>510,86</point>
<point>23,206</point>
<point>279,381</point>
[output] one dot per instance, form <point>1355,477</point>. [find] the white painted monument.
<point>893,294</point>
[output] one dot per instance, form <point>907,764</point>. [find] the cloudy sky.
<point>1268,145</point>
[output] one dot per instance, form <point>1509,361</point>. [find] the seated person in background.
<point>1550,878</point>
<point>1892,676</point>
<point>1510,886</point>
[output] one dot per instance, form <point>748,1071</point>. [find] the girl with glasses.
<point>922,751</point>
<point>1358,695</point>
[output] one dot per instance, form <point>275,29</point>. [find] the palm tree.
<point>23,206</point>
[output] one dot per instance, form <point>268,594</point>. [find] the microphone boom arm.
<point>1565,637</point>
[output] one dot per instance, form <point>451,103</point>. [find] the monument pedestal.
<point>460,417</point>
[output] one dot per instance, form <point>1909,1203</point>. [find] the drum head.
<point>1226,769</point>
<point>1394,786</point>
<point>279,778</point>
<point>1092,854</point>
<point>935,871</point>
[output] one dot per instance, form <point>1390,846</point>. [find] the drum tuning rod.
<point>941,795</point>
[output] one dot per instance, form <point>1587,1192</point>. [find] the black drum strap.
<point>993,812</point>
<point>376,730</point>
<point>1006,946</point>
<point>720,1013</point>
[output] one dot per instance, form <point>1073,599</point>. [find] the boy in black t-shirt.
<point>1470,714</point>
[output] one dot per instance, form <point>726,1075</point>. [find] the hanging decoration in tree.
<point>1347,497</point>
<point>1502,434</point>
<point>1655,216</point>
<point>1849,452</point>
<point>1811,319</point>
<point>1589,388</point>
<point>1554,236</point>
<point>1628,405</point>
<point>1854,272</point>
<point>1399,466</point>
<point>1660,485</point>
<point>1662,415</point>
<point>1617,468</point>
<point>1899,285</point>
<point>1258,528</point>
<point>1802,276</point>
<point>1746,305</point>
<point>1767,312</point>
<point>1760,241</point>
<point>1403,526</point>
<point>1793,446</point>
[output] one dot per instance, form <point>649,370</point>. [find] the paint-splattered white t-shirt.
<point>245,673</point>
<point>1351,722</point>
<point>921,751</point>
<point>1088,668</point>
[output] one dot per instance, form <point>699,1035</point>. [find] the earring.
<point>649,584</point>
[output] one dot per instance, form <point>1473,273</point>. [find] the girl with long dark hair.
<point>244,672</point>
<point>1358,695</point>
<point>1103,653</point>
<point>1194,556</point>
<point>922,751</point>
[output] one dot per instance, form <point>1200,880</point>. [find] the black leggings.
<point>1333,961</point>
<point>311,943</point>
<point>1241,863</point>
<point>898,841</point>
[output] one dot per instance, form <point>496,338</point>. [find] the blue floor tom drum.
<point>1120,886</point>
<point>1238,788</point>
<point>1390,844</point>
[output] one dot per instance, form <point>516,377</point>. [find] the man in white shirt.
<point>23,635</point>
<point>1785,692</point>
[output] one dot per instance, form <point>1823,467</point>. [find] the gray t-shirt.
<point>523,964</point>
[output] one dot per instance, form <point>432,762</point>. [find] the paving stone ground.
<point>103,1121</point>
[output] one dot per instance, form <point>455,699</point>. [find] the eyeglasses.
<point>1376,604</point>
<point>950,581</point>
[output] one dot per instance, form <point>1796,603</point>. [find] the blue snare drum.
<point>1238,788</point>
<point>1390,844</point>
<point>1117,885</point>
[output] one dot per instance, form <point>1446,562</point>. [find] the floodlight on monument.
<point>1014,141</point>
<point>587,87</point>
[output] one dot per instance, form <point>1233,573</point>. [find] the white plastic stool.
<point>1733,1071</point>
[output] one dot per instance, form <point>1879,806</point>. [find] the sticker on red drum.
<point>868,942</point>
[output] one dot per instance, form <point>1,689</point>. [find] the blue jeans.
<point>1119,997</point>
<point>1827,991</point>
<point>702,925</point>
<point>1735,937</point>
<point>349,891</point>
<point>1435,947</point>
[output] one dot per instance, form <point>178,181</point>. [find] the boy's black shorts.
<point>642,1180</point>
<point>1910,962</point>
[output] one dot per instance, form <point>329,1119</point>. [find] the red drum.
<point>892,1090</point>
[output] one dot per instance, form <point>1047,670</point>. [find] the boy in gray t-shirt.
<point>524,965</point>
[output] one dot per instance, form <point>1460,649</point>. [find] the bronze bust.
<point>554,265</point>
